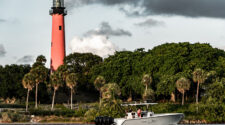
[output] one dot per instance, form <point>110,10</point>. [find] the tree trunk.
<point>28,91</point>
<point>182,98</point>
<point>36,94</point>
<point>71,105</point>
<point>100,102</point>
<point>173,98</point>
<point>130,97</point>
<point>53,99</point>
<point>197,93</point>
<point>146,87</point>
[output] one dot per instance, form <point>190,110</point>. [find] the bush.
<point>213,113</point>
<point>12,116</point>
<point>81,112</point>
<point>66,112</point>
<point>90,115</point>
<point>12,106</point>
<point>112,108</point>
<point>39,112</point>
<point>60,106</point>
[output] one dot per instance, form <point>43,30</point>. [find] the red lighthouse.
<point>58,34</point>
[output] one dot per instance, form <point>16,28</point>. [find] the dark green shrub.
<point>90,115</point>
<point>12,106</point>
<point>12,116</point>
<point>65,113</point>
<point>80,112</point>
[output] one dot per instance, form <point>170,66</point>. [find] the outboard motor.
<point>104,120</point>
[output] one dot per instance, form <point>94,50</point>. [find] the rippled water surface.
<point>88,124</point>
<point>44,124</point>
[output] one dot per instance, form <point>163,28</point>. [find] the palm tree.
<point>63,70</point>
<point>71,82</point>
<point>199,76</point>
<point>183,84</point>
<point>146,80</point>
<point>56,82</point>
<point>40,73</point>
<point>28,83</point>
<point>40,60</point>
<point>148,94</point>
<point>99,83</point>
<point>110,91</point>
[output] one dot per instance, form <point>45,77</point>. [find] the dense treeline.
<point>169,72</point>
<point>10,81</point>
<point>165,63</point>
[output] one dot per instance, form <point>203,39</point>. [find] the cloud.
<point>2,20</point>
<point>70,4</point>
<point>106,30</point>
<point>96,44</point>
<point>26,59</point>
<point>150,23</point>
<point>2,51</point>
<point>223,48</point>
<point>189,8</point>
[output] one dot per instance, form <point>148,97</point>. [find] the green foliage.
<point>166,63</point>
<point>183,84</point>
<point>40,73</point>
<point>149,94</point>
<point>28,81</point>
<point>40,61</point>
<point>13,116</point>
<point>99,82</point>
<point>11,81</point>
<point>71,80</point>
<point>146,80</point>
<point>213,113</point>
<point>56,80</point>
<point>66,113</point>
<point>81,63</point>
<point>12,106</point>
<point>199,75</point>
<point>110,91</point>
<point>111,108</point>
<point>166,86</point>
<point>90,115</point>
<point>122,68</point>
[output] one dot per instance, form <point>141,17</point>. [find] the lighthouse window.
<point>60,27</point>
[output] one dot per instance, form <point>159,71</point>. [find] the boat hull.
<point>157,119</point>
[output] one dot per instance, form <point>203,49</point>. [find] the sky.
<point>105,26</point>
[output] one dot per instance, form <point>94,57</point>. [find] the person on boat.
<point>139,113</point>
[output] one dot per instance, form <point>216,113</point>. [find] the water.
<point>78,124</point>
<point>43,124</point>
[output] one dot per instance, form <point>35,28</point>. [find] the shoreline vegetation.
<point>181,77</point>
<point>62,114</point>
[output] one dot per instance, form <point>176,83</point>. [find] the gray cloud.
<point>190,8</point>
<point>150,23</point>
<point>106,29</point>
<point>70,4</point>
<point>2,20</point>
<point>26,59</point>
<point>2,50</point>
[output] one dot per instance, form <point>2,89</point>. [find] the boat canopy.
<point>139,104</point>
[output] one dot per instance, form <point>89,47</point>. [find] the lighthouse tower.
<point>58,34</point>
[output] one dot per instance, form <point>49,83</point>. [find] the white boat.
<point>143,117</point>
